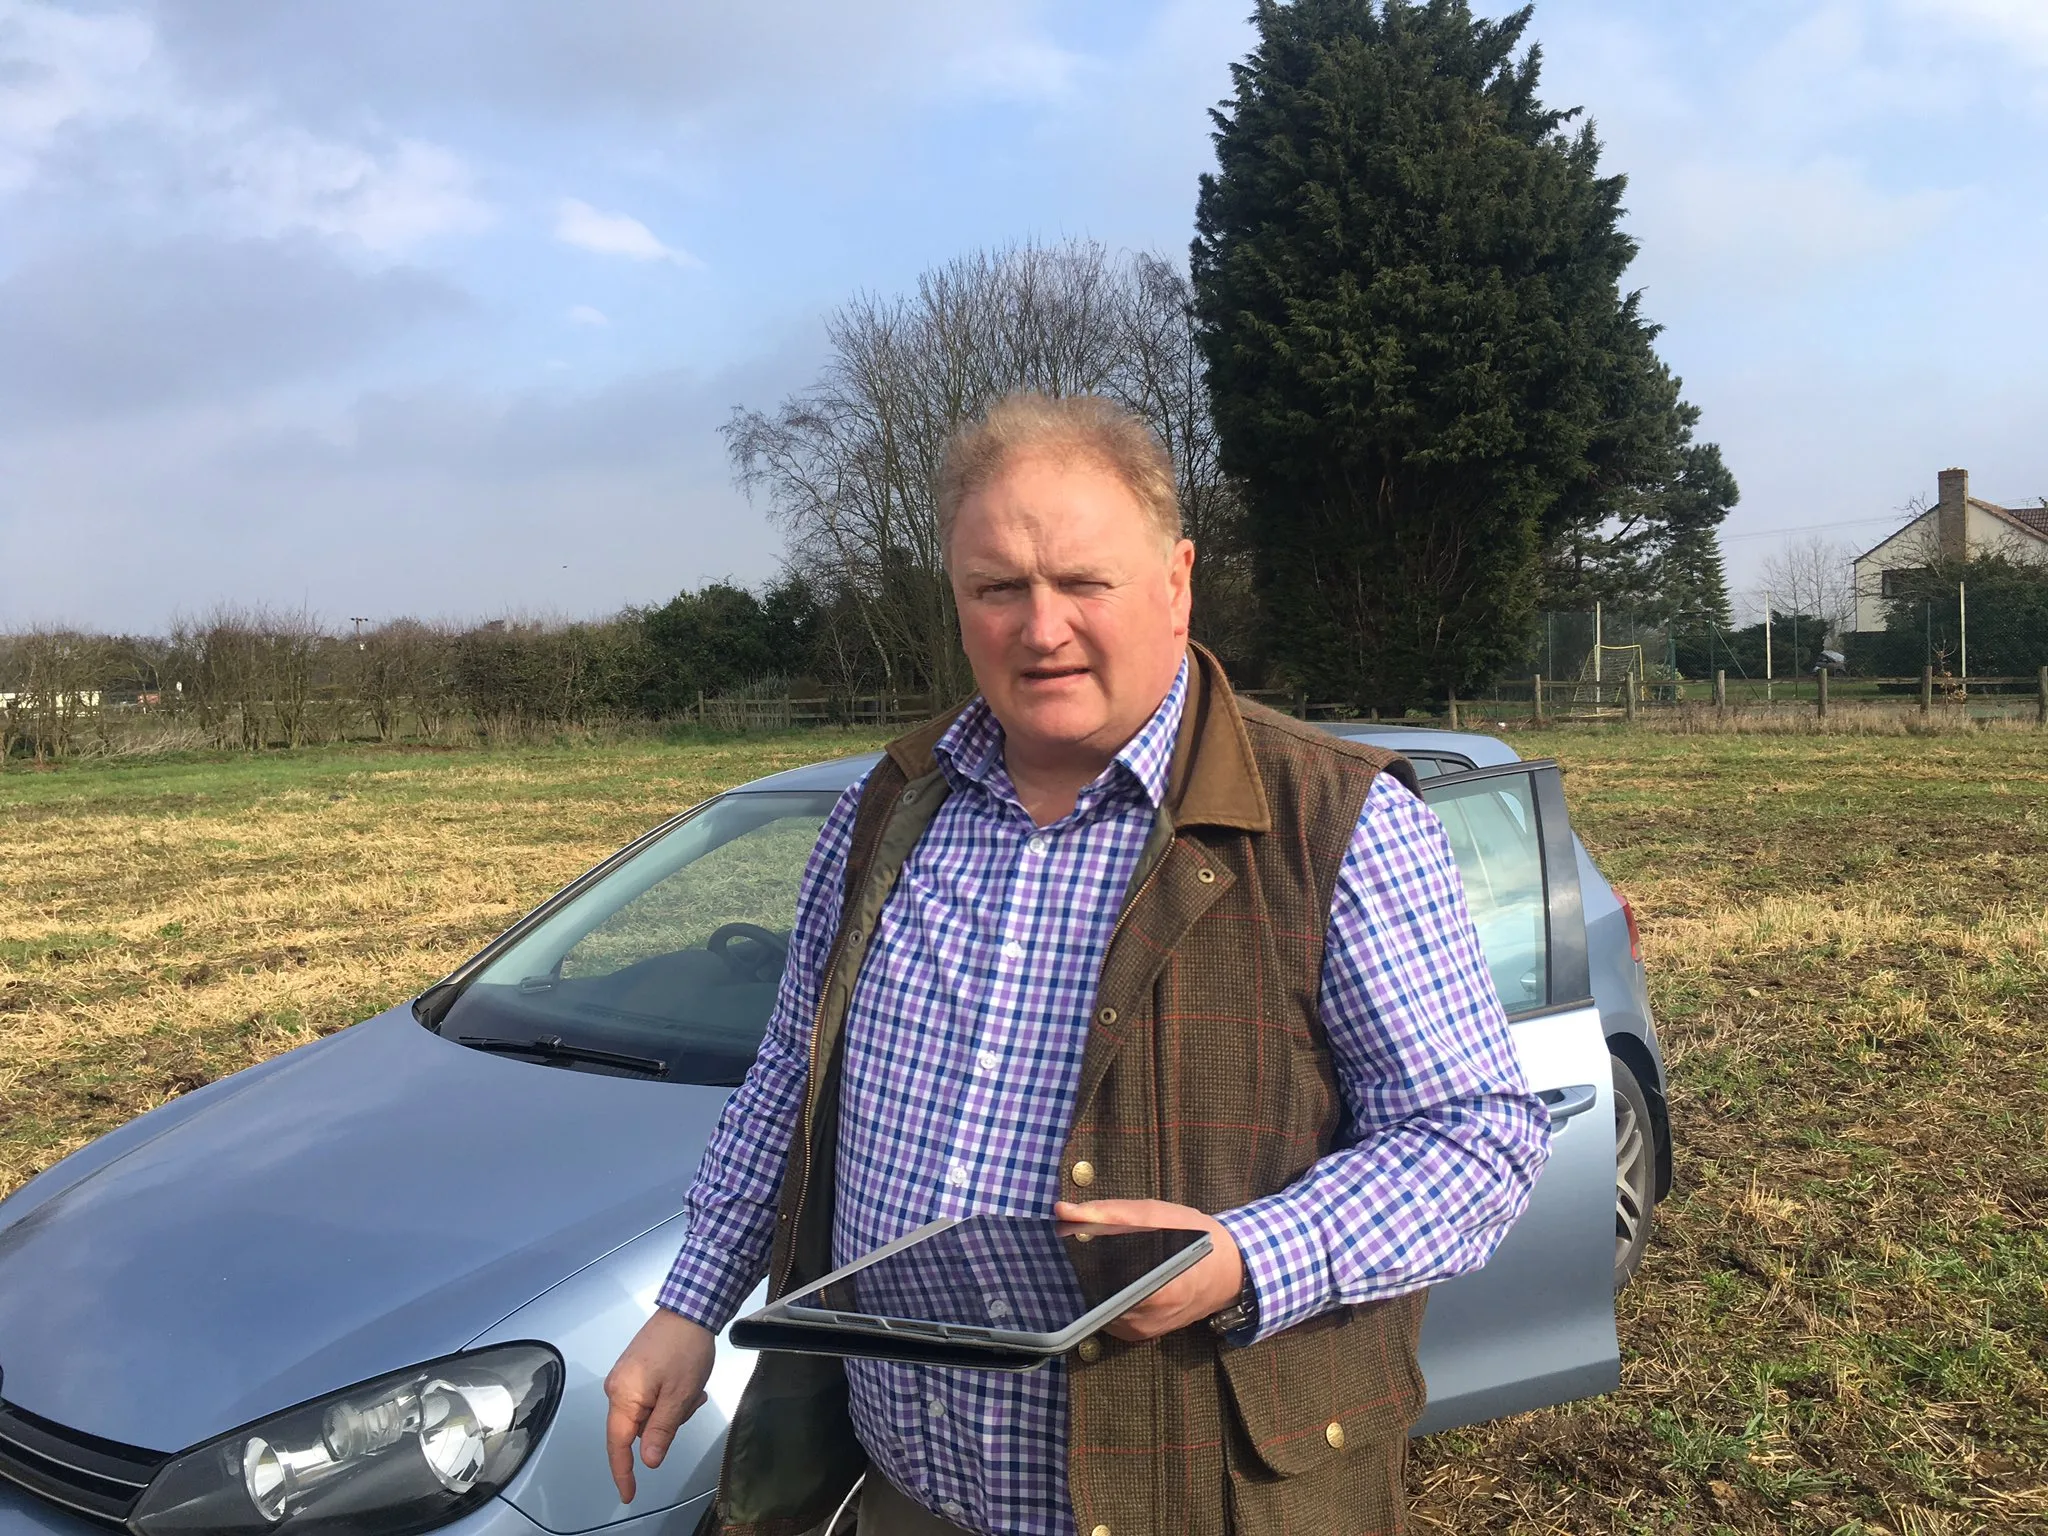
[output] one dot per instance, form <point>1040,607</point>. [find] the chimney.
<point>1952,515</point>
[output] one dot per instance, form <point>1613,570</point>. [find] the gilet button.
<point>1100,1530</point>
<point>1206,875</point>
<point>1105,1016</point>
<point>1090,1350</point>
<point>1335,1435</point>
<point>1084,1173</point>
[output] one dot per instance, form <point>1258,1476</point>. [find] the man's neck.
<point>1047,788</point>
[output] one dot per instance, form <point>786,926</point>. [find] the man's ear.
<point>1180,576</point>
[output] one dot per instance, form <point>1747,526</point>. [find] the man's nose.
<point>1045,621</point>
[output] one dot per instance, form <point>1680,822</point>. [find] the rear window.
<point>1495,838</point>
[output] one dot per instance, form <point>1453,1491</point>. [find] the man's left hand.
<point>1192,1296</point>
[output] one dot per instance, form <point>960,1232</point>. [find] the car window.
<point>672,958</point>
<point>1434,767</point>
<point>1494,835</point>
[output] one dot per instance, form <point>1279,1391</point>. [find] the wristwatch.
<point>1241,1316</point>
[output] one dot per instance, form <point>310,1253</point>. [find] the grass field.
<point>1840,1325</point>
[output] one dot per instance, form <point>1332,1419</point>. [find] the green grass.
<point>1839,1325</point>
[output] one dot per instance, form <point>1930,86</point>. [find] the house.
<point>1958,526</point>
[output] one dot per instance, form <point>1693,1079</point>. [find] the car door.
<point>1536,1325</point>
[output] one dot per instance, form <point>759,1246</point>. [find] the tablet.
<point>978,1292</point>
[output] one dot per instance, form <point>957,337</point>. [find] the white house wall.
<point>1904,548</point>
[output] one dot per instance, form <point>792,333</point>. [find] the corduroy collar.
<point>1214,781</point>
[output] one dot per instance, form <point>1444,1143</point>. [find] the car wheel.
<point>1635,1172</point>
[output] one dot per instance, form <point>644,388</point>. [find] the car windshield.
<point>667,966</point>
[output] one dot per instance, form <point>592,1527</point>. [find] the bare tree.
<point>1814,576</point>
<point>848,465</point>
<point>215,659</point>
<point>1162,376</point>
<point>289,643</point>
<point>52,685</point>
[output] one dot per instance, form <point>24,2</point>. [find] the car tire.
<point>1635,1172</point>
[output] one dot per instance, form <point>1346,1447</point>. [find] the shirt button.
<point>998,1308</point>
<point>952,1509</point>
<point>986,1061</point>
<point>1013,950</point>
<point>957,1174</point>
<point>936,1408</point>
<point>1036,842</point>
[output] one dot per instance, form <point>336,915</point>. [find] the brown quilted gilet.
<point>1206,1081</point>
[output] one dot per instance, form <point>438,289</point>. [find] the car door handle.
<point>1564,1103</point>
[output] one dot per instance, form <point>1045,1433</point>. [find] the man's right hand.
<point>656,1385</point>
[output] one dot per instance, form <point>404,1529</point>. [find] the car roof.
<point>838,773</point>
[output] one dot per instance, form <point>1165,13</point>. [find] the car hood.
<point>379,1201</point>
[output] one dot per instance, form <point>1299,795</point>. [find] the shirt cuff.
<point>706,1286</point>
<point>1283,1259</point>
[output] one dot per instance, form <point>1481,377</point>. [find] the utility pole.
<point>359,623</point>
<point>1767,648</point>
<point>1963,638</point>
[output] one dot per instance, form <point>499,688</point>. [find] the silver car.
<point>375,1284</point>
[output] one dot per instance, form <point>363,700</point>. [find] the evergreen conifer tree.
<point>1425,373</point>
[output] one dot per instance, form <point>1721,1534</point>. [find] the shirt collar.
<point>971,748</point>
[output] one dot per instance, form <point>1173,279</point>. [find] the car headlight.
<point>403,1453</point>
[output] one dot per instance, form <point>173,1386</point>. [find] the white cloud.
<point>584,314</point>
<point>2019,25</point>
<point>613,234</point>
<point>1017,69</point>
<point>92,104</point>
<point>57,68</point>
<point>287,179</point>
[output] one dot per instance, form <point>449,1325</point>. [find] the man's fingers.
<point>1118,1213</point>
<point>671,1410</point>
<point>621,1428</point>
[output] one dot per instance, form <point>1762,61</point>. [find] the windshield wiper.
<point>552,1048</point>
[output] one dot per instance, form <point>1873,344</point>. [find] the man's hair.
<point>1069,429</point>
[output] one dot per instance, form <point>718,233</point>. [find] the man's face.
<point>1073,611</point>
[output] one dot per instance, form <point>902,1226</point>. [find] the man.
<point>1108,945</point>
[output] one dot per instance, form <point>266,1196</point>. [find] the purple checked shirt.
<point>963,1054</point>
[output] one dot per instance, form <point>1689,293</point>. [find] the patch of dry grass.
<point>1839,1327</point>
<point>162,925</point>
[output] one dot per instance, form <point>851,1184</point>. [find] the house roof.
<point>2031,521</point>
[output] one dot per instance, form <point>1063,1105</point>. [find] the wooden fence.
<point>1539,700</point>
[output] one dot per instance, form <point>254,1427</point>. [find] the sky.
<point>379,308</point>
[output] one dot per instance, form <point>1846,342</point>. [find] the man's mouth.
<point>1052,674</point>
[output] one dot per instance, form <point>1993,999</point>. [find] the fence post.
<point>1538,696</point>
<point>1927,690</point>
<point>2041,700</point>
<point>1720,690</point>
<point>1301,703</point>
<point>1453,712</point>
<point>1821,698</point>
<point>1628,693</point>
<point>700,706</point>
